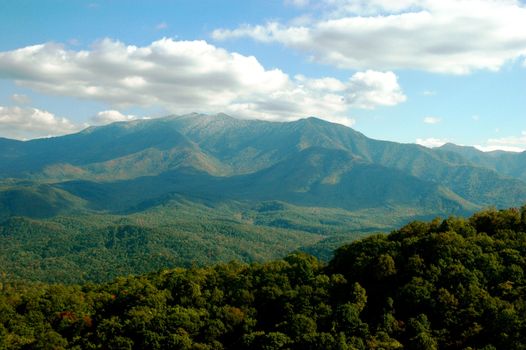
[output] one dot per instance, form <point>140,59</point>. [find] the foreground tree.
<point>446,284</point>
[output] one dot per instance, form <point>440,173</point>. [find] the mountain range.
<point>307,176</point>
<point>129,165</point>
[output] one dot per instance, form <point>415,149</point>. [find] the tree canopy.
<point>444,284</point>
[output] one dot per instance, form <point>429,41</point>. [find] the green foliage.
<point>451,284</point>
<point>135,166</point>
<point>134,197</point>
<point>100,247</point>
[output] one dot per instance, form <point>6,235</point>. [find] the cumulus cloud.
<point>446,36</point>
<point>371,88</point>
<point>432,120</point>
<point>27,123</point>
<point>110,116</point>
<point>510,144</point>
<point>431,142</point>
<point>188,76</point>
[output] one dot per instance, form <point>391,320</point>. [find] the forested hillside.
<point>444,284</point>
<point>129,166</point>
<point>200,189</point>
<point>100,247</point>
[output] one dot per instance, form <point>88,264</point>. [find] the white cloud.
<point>370,89</point>
<point>329,84</point>
<point>27,123</point>
<point>20,99</point>
<point>110,116</point>
<point>510,144</point>
<point>429,93</point>
<point>432,120</point>
<point>446,36</point>
<point>499,148</point>
<point>431,142</point>
<point>188,76</point>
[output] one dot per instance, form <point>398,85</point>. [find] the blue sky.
<point>407,71</point>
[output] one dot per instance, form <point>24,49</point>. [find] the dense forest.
<point>444,284</point>
<point>101,247</point>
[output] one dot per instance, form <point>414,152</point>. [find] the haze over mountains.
<point>130,166</point>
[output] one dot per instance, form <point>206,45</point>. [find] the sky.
<point>411,71</point>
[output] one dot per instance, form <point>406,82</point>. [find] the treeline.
<point>444,284</point>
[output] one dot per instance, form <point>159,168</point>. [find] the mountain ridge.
<point>250,159</point>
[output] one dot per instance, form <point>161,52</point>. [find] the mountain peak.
<point>316,120</point>
<point>451,145</point>
<point>199,116</point>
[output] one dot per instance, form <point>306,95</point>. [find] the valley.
<point>133,197</point>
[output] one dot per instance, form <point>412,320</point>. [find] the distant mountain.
<point>511,164</point>
<point>308,162</point>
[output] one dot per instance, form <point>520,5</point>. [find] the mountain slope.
<point>91,146</point>
<point>37,201</point>
<point>511,164</point>
<point>308,162</point>
<point>263,144</point>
